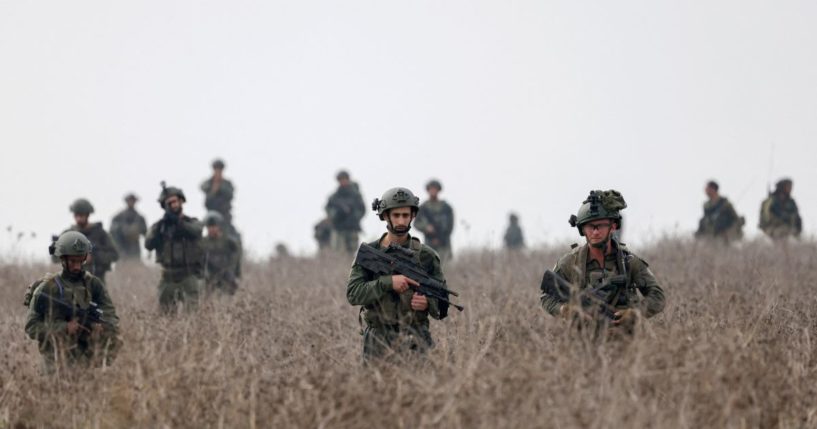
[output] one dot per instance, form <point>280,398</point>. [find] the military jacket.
<point>48,324</point>
<point>643,292</point>
<point>104,253</point>
<point>345,208</point>
<point>221,258</point>
<point>779,217</point>
<point>221,200</point>
<point>126,228</point>
<point>719,220</point>
<point>513,237</point>
<point>440,215</point>
<point>178,247</point>
<point>382,306</point>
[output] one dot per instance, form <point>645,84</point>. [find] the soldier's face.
<point>81,219</point>
<point>213,231</point>
<point>131,203</point>
<point>598,231</point>
<point>433,192</point>
<point>74,263</point>
<point>710,192</point>
<point>174,204</point>
<point>400,219</point>
<point>343,182</point>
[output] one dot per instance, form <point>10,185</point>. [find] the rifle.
<point>592,300</point>
<point>86,317</point>
<point>401,261</point>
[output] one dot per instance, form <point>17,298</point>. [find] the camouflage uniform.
<point>514,240</point>
<point>54,302</point>
<point>126,228</point>
<point>104,253</point>
<point>638,290</point>
<point>779,216</point>
<point>720,221</point>
<point>390,321</point>
<point>220,200</point>
<point>345,209</point>
<point>440,215</point>
<point>177,241</point>
<point>644,294</point>
<point>221,259</point>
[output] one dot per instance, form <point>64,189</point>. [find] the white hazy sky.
<point>515,105</point>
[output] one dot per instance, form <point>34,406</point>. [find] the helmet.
<point>395,198</point>
<point>599,205</point>
<point>70,243</point>
<point>218,164</point>
<point>435,183</point>
<point>168,192</point>
<point>131,196</point>
<point>81,206</point>
<point>342,174</point>
<point>213,218</point>
<point>513,217</point>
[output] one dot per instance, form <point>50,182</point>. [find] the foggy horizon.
<point>522,106</point>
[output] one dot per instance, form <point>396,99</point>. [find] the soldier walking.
<point>345,209</point>
<point>618,285</point>
<point>779,216</point>
<point>436,221</point>
<point>720,220</point>
<point>176,238</point>
<point>70,314</point>
<point>103,253</point>
<point>396,318</point>
<point>126,229</point>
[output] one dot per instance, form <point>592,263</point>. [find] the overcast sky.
<point>513,105</point>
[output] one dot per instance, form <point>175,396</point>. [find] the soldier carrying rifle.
<point>601,282</point>
<point>396,308</point>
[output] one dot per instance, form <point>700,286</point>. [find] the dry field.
<point>735,347</point>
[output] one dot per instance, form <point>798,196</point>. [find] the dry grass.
<point>734,348</point>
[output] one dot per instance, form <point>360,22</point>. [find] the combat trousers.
<point>382,341</point>
<point>345,241</point>
<point>184,291</point>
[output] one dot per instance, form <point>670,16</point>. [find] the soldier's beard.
<point>399,231</point>
<point>72,275</point>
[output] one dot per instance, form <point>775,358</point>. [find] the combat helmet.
<point>599,205</point>
<point>81,206</point>
<point>70,243</point>
<point>169,191</point>
<point>213,218</point>
<point>395,198</point>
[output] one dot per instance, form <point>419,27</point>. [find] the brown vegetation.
<point>735,347</point>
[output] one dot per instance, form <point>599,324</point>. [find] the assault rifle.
<point>86,317</point>
<point>401,261</point>
<point>592,300</point>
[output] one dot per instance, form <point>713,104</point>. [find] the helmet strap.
<point>390,227</point>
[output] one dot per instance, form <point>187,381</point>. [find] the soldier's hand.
<point>419,302</point>
<point>73,327</point>
<point>627,317</point>
<point>429,229</point>
<point>401,283</point>
<point>170,217</point>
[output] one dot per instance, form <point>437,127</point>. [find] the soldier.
<point>396,318</point>
<point>221,256</point>
<point>779,217</point>
<point>103,253</point>
<point>177,241</point>
<point>720,220</point>
<point>436,221</point>
<point>323,234</point>
<point>70,314</point>
<point>126,228</point>
<point>218,193</point>
<point>345,209</point>
<point>514,240</point>
<point>618,281</point>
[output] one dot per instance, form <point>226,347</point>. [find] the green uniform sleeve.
<point>103,300</point>
<point>646,283</point>
<point>153,239</point>
<point>190,228</point>
<point>359,291</point>
<point>449,224</point>
<point>38,325</point>
<point>105,252</point>
<point>143,228</point>
<point>421,221</point>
